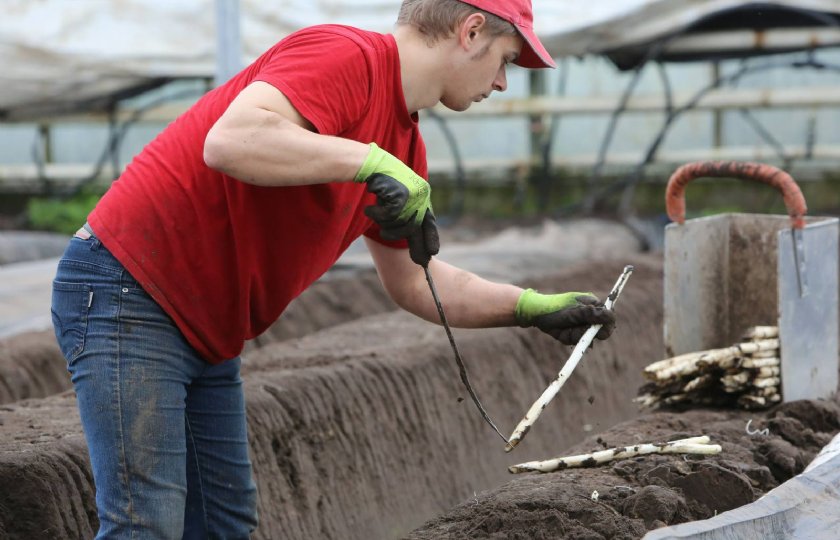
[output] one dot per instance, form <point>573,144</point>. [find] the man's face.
<point>480,71</point>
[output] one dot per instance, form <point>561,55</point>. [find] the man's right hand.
<point>403,205</point>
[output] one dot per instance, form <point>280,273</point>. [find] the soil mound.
<point>31,366</point>
<point>644,493</point>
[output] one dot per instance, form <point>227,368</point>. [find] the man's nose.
<point>500,84</point>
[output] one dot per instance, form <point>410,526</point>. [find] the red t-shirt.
<point>224,258</point>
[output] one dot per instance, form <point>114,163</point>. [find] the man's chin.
<point>457,107</point>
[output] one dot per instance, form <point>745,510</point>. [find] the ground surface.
<point>359,428</point>
<point>639,494</point>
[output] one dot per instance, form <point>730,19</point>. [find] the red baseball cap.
<point>521,16</point>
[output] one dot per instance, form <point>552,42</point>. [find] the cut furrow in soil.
<point>328,302</point>
<point>31,364</point>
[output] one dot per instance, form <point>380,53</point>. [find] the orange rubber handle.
<point>779,179</point>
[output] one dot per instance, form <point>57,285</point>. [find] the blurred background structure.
<point>643,86</point>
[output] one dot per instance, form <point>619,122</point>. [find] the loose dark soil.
<point>644,493</point>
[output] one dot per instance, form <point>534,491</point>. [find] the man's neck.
<point>421,68</point>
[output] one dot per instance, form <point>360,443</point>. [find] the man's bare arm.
<point>262,139</point>
<point>469,300</point>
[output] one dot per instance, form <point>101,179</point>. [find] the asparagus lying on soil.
<point>693,445</point>
<point>745,375</point>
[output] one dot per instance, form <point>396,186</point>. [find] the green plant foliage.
<point>61,215</point>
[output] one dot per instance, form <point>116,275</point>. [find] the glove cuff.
<point>523,318</point>
<point>372,161</point>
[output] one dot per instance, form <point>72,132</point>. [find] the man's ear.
<point>470,29</point>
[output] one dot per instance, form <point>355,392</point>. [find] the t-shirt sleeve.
<point>375,233</point>
<point>325,75</point>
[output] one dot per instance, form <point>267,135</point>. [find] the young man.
<point>236,208</point>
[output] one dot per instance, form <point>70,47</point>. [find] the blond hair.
<point>438,19</point>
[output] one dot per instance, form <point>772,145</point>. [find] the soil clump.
<point>643,493</point>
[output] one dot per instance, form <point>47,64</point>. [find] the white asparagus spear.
<point>646,400</point>
<point>687,358</point>
<point>739,383</point>
<point>675,398</point>
<point>764,382</point>
<point>765,354</point>
<point>761,332</point>
<point>538,406</point>
<point>762,392</point>
<point>738,379</point>
<point>769,371</point>
<point>724,357</point>
<point>685,362</point>
<point>755,363</point>
<point>756,346</point>
<point>693,445</point>
<point>751,400</point>
<point>700,382</point>
<point>723,361</point>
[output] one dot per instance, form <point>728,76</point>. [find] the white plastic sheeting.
<point>631,22</point>
<point>60,54</point>
<point>803,508</point>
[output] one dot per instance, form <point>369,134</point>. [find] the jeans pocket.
<point>70,306</point>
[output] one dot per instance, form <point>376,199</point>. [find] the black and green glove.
<point>403,203</point>
<point>566,316</point>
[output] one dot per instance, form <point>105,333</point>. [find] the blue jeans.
<point>166,431</point>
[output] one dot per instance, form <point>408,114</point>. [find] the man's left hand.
<point>566,316</point>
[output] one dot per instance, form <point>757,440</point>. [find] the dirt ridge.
<point>31,364</point>
<point>645,493</point>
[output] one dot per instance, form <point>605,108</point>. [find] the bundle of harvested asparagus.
<point>745,375</point>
